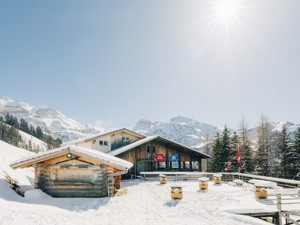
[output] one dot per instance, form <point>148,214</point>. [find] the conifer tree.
<point>295,155</point>
<point>39,133</point>
<point>285,154</point>
<point>245,148</point>
<point>24,126</point>
<point>217,161</point>
<point>227,153</point>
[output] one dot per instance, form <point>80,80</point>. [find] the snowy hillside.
<point>50,120</point>
<point>36,144</point>
<point>181,129</point>
<point>141,203</point>
<point>276,129</point>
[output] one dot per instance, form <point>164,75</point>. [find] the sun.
<point>226,9</point>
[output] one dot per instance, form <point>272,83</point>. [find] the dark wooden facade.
<point>143,157</point>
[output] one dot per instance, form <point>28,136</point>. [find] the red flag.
<point>238,156</point>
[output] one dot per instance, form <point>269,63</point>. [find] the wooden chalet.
<point>73,171</point>
<point>109,141</point>
<point>156,153</point>
<point>153,153</point>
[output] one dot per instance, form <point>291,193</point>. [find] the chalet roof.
<point>85,139</point>
<point>151,138</point>
<point>90,153</point>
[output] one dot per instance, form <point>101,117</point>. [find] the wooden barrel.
<point>261,192</point>
<point>176,192</point>
<point>203,185</point>
<point>217,180</point>
<point>163,180</point>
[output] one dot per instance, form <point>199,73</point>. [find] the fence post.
<point>279,208</point>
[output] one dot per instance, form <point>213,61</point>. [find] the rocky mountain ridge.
<point>50,120</point>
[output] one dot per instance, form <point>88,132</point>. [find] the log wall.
<point>73,178</point>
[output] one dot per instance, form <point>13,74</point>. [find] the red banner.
<point>160,157</point>
<point>238,156</point>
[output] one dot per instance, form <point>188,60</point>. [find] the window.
<point>161,164</point>
<point>175,165</point>
<point>150,149</point>
<point>103,142</point>
<point>125,139</point>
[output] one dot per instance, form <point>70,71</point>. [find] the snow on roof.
<point>148,139</point>
<point>99,156</point>
<point>99,135</point>
<point>118,151</point>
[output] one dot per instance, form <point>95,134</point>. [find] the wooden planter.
<point>217,179</point>
<point>261,191</point>
<point>176,192</point>
<point>203,185</point>
<point>163,179</point>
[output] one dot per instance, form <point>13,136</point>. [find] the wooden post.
<point>135,164</point>
<point>200,165</point>
<point>167,158</point>
<point>190,165</point>
<point>179,162</point>
<point>279,207</point>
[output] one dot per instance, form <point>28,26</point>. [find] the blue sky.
<point>115,62</point>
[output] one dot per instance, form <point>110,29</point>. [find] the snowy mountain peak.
<point>181,129</point>
<point>182,120</point>
<point>50,120</point>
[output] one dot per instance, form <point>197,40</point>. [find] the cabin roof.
<point>151,138</point>
<point>80,151</point>
<point>85,139</point>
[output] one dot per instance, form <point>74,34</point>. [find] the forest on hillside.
<point>272,154</point>
<point>9,132</point>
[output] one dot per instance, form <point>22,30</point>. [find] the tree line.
<point>11,135</point>
<point>273,154</point>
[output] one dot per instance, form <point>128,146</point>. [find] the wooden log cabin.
<point>156,153</point>
<point>153,153</point>
<point>73,171</point>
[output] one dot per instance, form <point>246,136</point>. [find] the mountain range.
<point>181,129</point>
<point>50,120</point>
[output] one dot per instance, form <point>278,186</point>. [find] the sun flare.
<point>226,9</point>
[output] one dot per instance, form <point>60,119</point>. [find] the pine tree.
<point>284,155</point>
<point>217,162</point>
<point>295,155</point>
<point>227,152</point>
<point>24,126</point>
<point>245,148</point>
<point>39,133</point>
<point>32,131</point>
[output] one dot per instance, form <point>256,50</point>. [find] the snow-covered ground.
<point>145,202</point>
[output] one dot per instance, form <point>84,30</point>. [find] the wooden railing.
<point>181,175</point>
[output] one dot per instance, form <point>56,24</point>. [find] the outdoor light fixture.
<point>69,155</point>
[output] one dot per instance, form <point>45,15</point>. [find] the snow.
<point>144,202</point>
<point>36,143</point>
<point>35,194</point>
<point>184,130</point>
<point>50,120</point>
<point>120,163</point>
